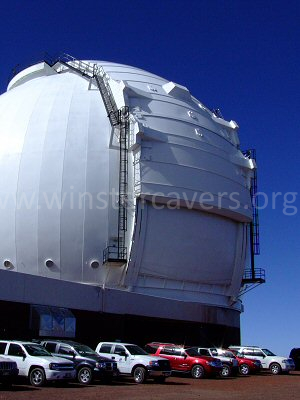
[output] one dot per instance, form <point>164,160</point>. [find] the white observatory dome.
<point>169,210</point>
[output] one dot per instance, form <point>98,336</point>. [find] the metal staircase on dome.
<point>253,276</point>
<point>119,118</point>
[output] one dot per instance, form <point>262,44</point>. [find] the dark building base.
<point>93,327</point>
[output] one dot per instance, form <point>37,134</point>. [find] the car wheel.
<point>84,375</point>
<point>275,369</point>
<point>226,370</point>
<point>37,377</point>
<point>244,369</point>
<point>139,375</point>
<point>197,372</point>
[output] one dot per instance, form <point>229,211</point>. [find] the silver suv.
<point>275,364</point>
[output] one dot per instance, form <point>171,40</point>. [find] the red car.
<point>186,360</point>
<point>246,365</point>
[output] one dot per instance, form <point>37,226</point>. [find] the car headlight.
<point>101,365</point>
<point>154,363</point>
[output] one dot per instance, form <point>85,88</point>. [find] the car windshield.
<point>84,350</point>
<point>136,350</point>
<point>268,352</point>
<point>36,350</point>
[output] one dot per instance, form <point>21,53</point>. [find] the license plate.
<point>167,373</point>
<point>5,373</point>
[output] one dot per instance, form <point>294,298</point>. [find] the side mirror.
<point>23,356</point>
<point>123,354</point>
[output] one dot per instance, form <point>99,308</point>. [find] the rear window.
<point>105,348</point>
<point>168,351</point>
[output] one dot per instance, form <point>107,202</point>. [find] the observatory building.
<point>125,208</point>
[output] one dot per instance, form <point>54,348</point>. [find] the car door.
<point>259,355</point>
<point>17,354</point>
<point>66,351</point>
<point>177,358</point>
<point>169,353</point>
<point>118,354</point>
<point>255,354</point>
<point>181,360</point>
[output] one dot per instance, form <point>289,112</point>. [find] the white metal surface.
<point>188,201</point>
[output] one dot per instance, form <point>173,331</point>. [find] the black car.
<point>295,355</point>
<point>89,365</point>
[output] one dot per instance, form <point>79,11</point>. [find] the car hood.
<point>248,359</point>
<point>97,358</point>
<point>5,359</point>
<point>55,359</point>
<point>148,358</point>
<point>279,358</point>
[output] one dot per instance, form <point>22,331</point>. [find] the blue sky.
<point>240,56</point>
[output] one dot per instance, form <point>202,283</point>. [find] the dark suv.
<point>89,365</point>
<point>295,355</point>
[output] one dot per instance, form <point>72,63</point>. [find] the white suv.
<point>133,360</point>
<point>275,364</point>
<point>34,362</point>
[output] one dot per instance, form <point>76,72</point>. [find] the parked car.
<point>133,360</point>
<point>269,361</point>
<point>186,360</point>
<point>229,362</point>
<point>247,366</point>
<point>295,356</point>
<point>88,364</point>
<point>8,370</point>
<point>35,363</point>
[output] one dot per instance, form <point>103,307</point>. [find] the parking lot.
<point>263,386</point>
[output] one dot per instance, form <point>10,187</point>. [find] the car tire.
<point>244,369</point>
<point>84,375</point>
<point>226,370</point>
<point>275,369</point>
<point>139,375</point>
<point>197,372</point>
<point>37,377</point>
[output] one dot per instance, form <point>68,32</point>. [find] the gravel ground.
<point>263,386</point>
